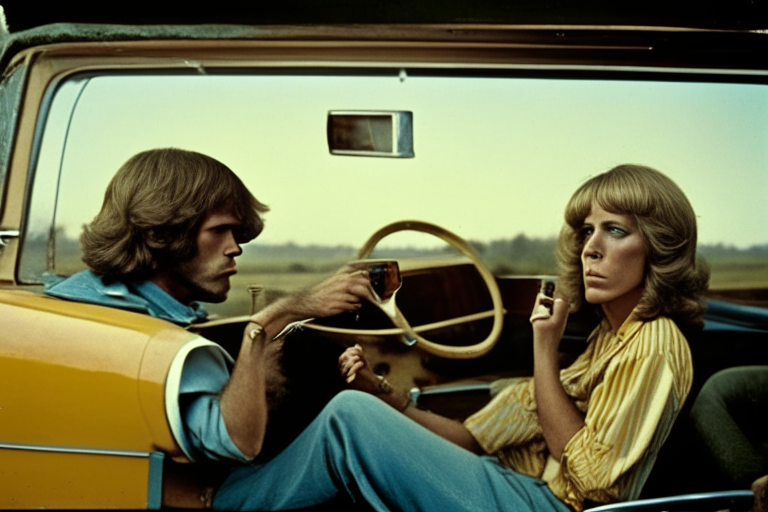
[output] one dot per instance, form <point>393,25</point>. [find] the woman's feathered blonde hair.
<point>675,278</point>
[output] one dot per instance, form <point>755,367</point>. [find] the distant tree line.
<point>518,255</point>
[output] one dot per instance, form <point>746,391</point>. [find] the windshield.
<point>495,159</point>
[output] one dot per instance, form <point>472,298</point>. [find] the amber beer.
<point>386,280</point>
<point>384,275</point>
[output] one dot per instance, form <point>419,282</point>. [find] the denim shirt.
<point>204,373</point>
<point>140,296</point>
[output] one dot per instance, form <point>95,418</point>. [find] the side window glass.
<point>42,235</point>
<point>10,96</point>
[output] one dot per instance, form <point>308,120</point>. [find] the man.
<point>167,236</point>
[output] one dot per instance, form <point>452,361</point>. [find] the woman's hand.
<point>548,319</point>
<point>354,368</point>
<point>358,374</point>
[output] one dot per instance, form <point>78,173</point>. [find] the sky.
<point>493,157</point>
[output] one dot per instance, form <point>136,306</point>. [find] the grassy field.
<point>726,275</point>
<point>280,269</point>
<point>738,274</point>
<point>274,283</point>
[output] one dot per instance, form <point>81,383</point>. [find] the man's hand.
<point>243,401</point>
<point>342,292</point>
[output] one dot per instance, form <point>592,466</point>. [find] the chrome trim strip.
<point>155,481</point>
<point>616,69</point>
<point>456,388</point>
<point>416,393</point>
<point>703,501</point>
<point>448,66</point>
<point>8,234</point>
<point>71,449</point>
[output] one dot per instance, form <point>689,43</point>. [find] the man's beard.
<point>200,289</point>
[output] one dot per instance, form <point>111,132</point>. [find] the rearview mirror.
<point>370,133</point>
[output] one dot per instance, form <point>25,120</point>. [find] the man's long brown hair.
<point>154,207</point>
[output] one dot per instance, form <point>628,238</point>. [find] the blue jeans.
<point>360,447</point>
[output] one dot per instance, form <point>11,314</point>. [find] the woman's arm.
<point>449,429</point>
<point>559,417</point>
<point>354,367</point>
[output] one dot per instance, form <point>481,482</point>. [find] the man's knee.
<point>353,411</point>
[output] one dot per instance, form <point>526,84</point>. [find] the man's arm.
<point>243,401</point>
<point>340,293</point>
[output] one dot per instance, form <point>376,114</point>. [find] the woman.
<point>557,441</point>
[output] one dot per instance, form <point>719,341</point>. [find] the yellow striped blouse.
<point>630,384</point>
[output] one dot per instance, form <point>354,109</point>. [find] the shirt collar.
<point>142,296</point>
<point>627,329</point>
<point>163,305</point>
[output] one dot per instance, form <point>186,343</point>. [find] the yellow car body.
<point>83,421</point>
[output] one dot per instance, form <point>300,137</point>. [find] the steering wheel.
<point>447,351</point>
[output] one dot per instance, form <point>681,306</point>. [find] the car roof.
<point>730,49</point>
<point>560,21</point>
<point>712,14</point>
<point>557,21</point>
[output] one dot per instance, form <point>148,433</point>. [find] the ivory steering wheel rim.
<point>448,351</point>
